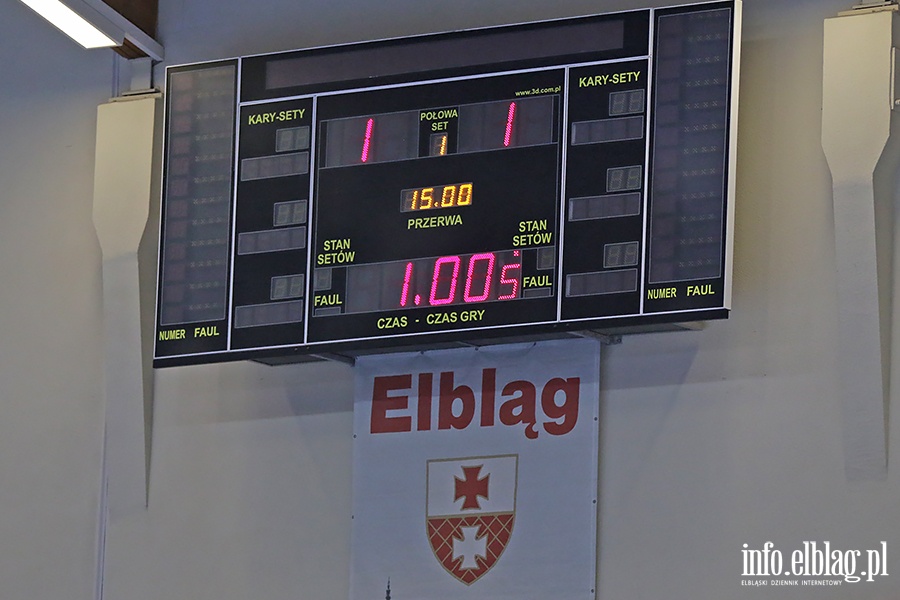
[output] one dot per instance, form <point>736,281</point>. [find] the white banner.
<point>475,473</point>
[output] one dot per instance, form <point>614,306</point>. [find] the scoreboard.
<point>496,184</point>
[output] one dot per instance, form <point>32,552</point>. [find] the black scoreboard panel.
<point>484,185</point>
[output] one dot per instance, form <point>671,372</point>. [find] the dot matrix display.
<point>194,260</point>
<point>531,182</point>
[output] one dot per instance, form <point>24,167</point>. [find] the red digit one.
<point>404,293</point>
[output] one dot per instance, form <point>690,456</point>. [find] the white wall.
<point>710,439</point>
<point>50,404</point>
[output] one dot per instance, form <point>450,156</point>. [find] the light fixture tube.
<point>71,23</point>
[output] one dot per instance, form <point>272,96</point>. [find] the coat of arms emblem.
<point>471,508</point>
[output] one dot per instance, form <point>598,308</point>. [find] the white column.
<point>856,123</point>
<point>122,184</point>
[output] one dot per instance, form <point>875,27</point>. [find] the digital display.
<point>429,282</point>
<point>498,184</point>
<point>443,196</point>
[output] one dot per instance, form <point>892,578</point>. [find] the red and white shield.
<point>471,508</point>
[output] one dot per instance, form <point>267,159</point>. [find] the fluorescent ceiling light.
<point>72,24</point>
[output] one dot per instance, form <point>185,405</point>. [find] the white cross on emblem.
<point>469,547</point>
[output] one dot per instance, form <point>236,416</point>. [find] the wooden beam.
<point>143,13</point>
